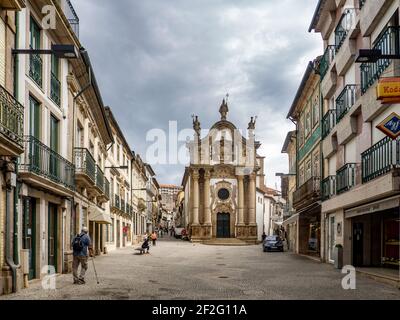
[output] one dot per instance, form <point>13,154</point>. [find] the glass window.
<point>34,118</point>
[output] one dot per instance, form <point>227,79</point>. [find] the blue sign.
<point>391,126</point>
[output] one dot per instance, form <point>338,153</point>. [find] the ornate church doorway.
<point>223,225</point>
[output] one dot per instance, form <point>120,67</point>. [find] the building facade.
<point>288,187</point>
<point>305,112</point>
<point>119,166</point>
<point>64,161</point>
<point>220,182</point>
<point>361,185</point>
<point>11,147</point>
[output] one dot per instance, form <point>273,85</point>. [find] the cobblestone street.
<point>182,270</point>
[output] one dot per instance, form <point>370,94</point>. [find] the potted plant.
<point>338,256</point>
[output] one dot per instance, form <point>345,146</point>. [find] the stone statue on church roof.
<point>252,123</point>
<point>223,110</point>
<point>196,124</point>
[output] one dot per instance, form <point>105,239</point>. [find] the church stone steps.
<point>226,242</point>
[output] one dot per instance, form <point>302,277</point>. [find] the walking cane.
<point>95,272</point>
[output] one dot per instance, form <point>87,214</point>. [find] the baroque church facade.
<point>221,180</point>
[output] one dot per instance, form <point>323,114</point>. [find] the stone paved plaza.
<point>177,269</point>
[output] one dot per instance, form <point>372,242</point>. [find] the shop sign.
<point>390,126</point>
<point>388,90</point>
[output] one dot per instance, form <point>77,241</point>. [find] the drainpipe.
<point>12,259</point>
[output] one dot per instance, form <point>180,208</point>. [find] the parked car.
<point>273,243</point>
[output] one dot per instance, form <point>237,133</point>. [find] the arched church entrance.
<point>223,225</point>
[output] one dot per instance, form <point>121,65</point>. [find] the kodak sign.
<point>388,90</point>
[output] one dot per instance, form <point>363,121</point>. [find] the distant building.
<point>168,194</point>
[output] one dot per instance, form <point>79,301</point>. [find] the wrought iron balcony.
<point>326,60</point>
<point>99,179</point>
<point>380,159</point>
<point>328,122</point>
<point>11,117</point>
<point>346,178</point>
<point>85,164</point>
<point>328,186</point>
<point>72,17</point>
<point>35,68</point>
<point>308,192</point>
<point>346,23</point>
<point>345,100</point>
<point>361,3</point>
<point>388,42</point>
<point>41,160</point>
<point>55,89</point>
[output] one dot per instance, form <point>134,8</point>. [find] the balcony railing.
<point>328,186</point>
<point>55,89</point>
<point>345,100</point>
<point>388,43</point>
<point>308,190</point>
<point>328,122</point>
<point>41,160</point>
<point>84,163</point>
<point>72,17</point>
<point>117,201</point>
<point>380,159</point>
<point>35,68</point>
<point>346,178</point>
<point>326,60</point>
<point>346,23</point>
<point>361,3</point>
<point>11,117</point>
<point>99,179</point>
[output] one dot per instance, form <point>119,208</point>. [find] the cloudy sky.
<point>158,61</point>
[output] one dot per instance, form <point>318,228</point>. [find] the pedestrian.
<point>154,238</point>
<point>82,248</point>
<point>264,236</point>
<point>145,245</point>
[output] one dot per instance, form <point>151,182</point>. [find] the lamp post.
<point>62,51</point>
<point>373,55</point>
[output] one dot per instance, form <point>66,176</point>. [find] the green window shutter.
<point>34,122</point>
<point>54,133</point>
<point>35,34</point>
<point>55,65</point>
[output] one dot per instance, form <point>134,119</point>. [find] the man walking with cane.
<point>82,248</point>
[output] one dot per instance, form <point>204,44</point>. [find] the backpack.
<point>77,244</point>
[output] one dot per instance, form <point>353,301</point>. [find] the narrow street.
<point>176,269</point>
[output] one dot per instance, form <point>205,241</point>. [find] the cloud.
<point>160,60</point>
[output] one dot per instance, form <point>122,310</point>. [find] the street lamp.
<point>373,55</point>
<point>66,51</point>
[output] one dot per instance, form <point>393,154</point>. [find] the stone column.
<point>195,195</point>
<point>207,210</point>
<point>252,207</point>
<point>240,225</point>
<point>241,199</point>
<point>195,226</point>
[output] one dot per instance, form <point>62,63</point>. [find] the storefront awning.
<point>99,216</point>
<point>373,207</point>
